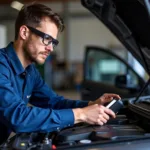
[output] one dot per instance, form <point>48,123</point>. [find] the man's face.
<point>34,49</point>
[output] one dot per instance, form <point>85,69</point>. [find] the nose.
<point>50,47</point>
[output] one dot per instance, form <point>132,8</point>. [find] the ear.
<point>24,32</point>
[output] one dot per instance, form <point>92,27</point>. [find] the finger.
<point>114,96</point>
<point>106,100</point>
<point>105,116</point>
<point>110,112</point>
<point>99,122</point>
<point>102,113</point>
<point>102,119</point>
<point>101,109</point>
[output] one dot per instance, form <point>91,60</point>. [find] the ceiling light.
<point>16,5</point>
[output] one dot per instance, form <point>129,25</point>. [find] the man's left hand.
<point>105,98</point>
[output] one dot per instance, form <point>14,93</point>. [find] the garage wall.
<point>3,36</point>
<point>82,29</point>
<point>88,31</point>
<point>10,32</point>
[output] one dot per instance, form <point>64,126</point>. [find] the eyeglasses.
<point>47,39</point>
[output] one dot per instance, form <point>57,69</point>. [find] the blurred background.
<point>63,69</point>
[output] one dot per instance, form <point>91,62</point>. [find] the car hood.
<point>129,21</point>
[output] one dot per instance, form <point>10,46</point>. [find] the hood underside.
<point>129,21</point>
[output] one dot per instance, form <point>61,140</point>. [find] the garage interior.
<point>88,61</point>
<point>63,70</point>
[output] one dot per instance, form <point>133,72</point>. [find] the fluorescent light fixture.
<point>16,5</point>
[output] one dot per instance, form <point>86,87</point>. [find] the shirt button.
<point>58,129</point>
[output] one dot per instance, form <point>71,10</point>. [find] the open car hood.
<point>129,21</point>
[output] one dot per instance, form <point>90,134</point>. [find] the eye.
<point>48,38</point>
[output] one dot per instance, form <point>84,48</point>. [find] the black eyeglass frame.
<point>44,36</point>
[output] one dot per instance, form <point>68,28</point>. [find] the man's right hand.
<point>94,114</point>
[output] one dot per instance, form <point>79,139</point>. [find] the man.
<point>36,32</point>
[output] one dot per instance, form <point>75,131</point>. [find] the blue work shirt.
<point>19,86</point>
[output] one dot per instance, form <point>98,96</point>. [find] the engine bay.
<point>121,129</point>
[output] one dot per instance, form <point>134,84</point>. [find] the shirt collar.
<point>16,64</point>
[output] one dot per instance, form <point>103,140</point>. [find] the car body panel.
<point>101,71</point>
<point>131,145</point>
<point>129,21</point>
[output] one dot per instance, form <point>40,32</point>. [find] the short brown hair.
<point>32,15</point>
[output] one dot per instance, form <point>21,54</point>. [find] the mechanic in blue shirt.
<point>36,31</point>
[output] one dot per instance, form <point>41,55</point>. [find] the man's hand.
<point>94,114</point>
<point>105,98</point>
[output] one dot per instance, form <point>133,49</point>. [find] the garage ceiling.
<point>27,1</point>
<point>9,13</point>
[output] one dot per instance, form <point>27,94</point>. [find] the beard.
<point>31,53</point>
